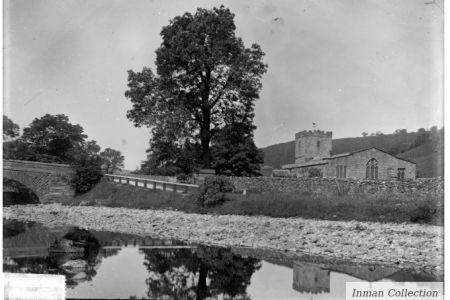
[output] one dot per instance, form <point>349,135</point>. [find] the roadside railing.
<point>152,184</point>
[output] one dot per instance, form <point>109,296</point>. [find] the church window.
<point>390,173</point>
<point>341,171</point>
<point>318,145</point>
<point>372,169</point>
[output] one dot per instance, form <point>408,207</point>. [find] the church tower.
<point>312,144</point>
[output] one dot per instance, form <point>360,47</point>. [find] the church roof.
<point>365,149</point>
<point>314,162</point>
<point>324,160</point>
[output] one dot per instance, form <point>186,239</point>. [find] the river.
<point>117,265</point>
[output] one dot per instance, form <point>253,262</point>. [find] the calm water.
<point>113,265</point>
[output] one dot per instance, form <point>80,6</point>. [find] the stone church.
<point>313,151</point>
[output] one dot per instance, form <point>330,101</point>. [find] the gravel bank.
<point>404,245</point>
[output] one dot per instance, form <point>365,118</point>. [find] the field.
<point>380,208</point>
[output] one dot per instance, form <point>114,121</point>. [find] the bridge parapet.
<point>154,184</point>
<point>36,166</point>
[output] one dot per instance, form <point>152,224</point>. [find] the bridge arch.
<point>50,182</point>
<point>15,193</point>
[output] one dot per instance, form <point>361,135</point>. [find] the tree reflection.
<point>198,273</point>
<point>36,265</point>
<point>12,227</point>
<point>61,251</point>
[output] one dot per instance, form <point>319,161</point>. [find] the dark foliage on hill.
<point>424,147</point>
<point>279,154</point>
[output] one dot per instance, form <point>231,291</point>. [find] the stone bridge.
<point>50,182</point>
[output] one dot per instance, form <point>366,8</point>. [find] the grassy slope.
<point>429,159</point>
<point>386,208</point>
<point>279,154</point>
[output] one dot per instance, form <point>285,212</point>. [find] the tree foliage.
<point>204,73</point>
<point>205,272</point>
<point>19,150</point>
<point>164,157</point>
<point>10,129</point>
<point>53,139</point>
<point>53,135</point>
<point>214,191</point>
<point>112,160</point>
<point>234,152</point>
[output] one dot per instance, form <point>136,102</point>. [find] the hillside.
<point>425,148</point>
<point>429,159</point>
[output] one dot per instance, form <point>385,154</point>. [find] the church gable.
<point>373,164</point>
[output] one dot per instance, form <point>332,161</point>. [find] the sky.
<point>350,66</point>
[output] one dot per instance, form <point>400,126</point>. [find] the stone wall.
<point>50,182</point>
<point>328,186</point>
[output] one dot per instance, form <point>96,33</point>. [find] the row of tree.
<point>53,139</point>
<point>200,103</point>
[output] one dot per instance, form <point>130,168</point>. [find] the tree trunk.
<point>205,134</point>
<point>206,153</point>
<point>205,131</point>
<point>202,288</point>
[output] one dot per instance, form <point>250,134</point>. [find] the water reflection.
<point>112,265</point>
<point>310,278</point>
<point>198,273</point>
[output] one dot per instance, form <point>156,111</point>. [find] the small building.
<point>313,152</point>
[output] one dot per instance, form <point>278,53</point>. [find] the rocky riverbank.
<point>404,245</point>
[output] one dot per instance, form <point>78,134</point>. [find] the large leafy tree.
<point>204,72</point>
<point>112,160</point>
<point>54,135</point>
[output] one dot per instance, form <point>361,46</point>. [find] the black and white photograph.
<point>234,149</point>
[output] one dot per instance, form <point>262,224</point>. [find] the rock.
<point>266,224</point>
<point>66,246</point>
<point>74,264</point>
<point>223,221</point>
<point>79,276</point>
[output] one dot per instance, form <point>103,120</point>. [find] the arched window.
<point>341,171</point>
<point>372,169</point>
<point>318,145</point>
